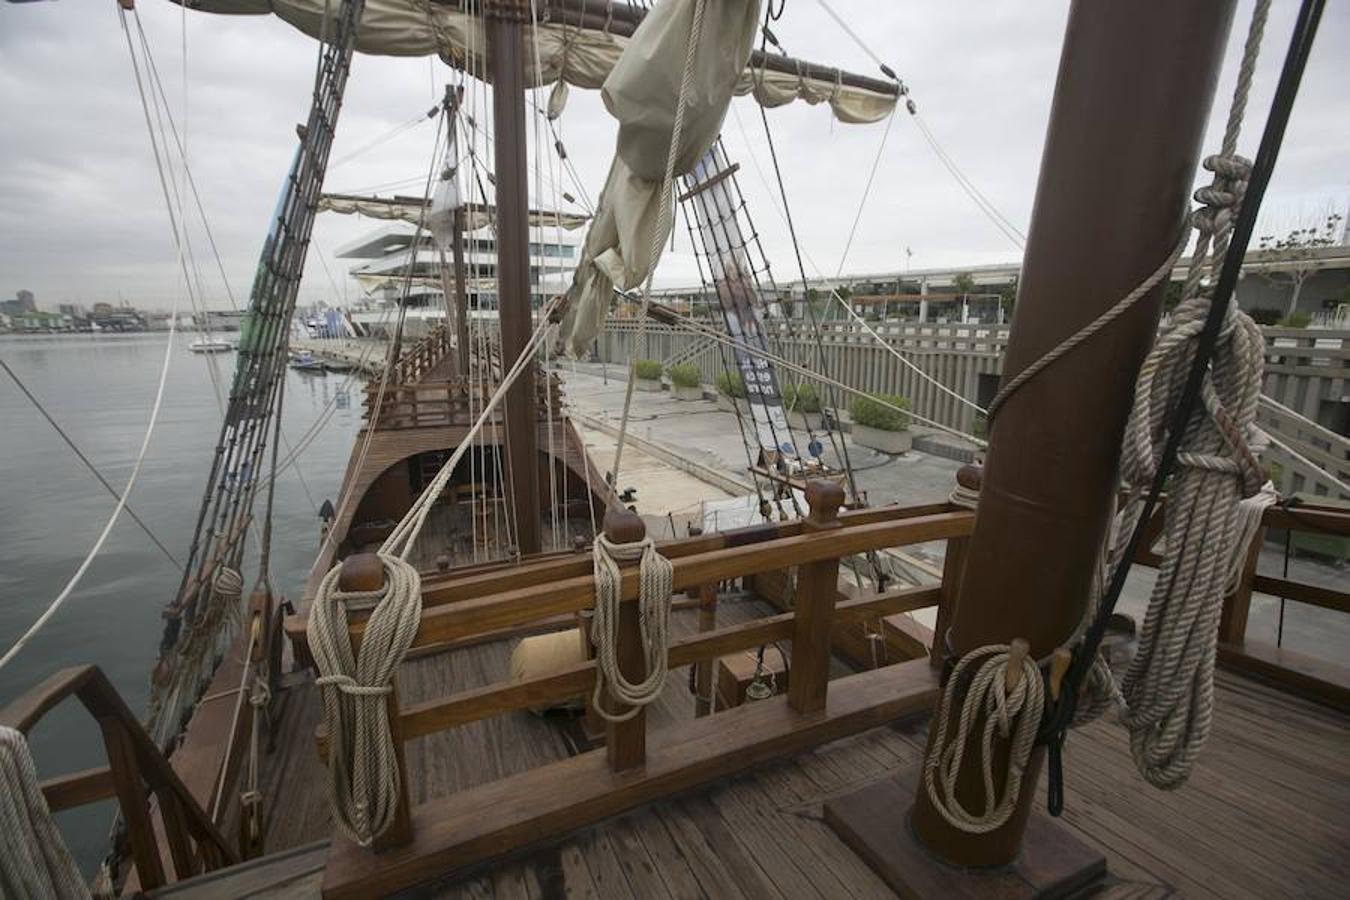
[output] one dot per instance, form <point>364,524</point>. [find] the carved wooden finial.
<point>361,572</point>
<point>825,498</point>
<point>623,527</point>
<point>970,476</point>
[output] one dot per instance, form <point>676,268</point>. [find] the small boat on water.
<point>304,361</point>
<point>209,344</point>
<point>338,365</point>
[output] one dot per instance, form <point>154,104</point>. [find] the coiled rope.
<point>1013,712</point>
<point>34,861</point>
<point>1215,501</point>
<point>656,580</point>
<point>363,771</point>
<point>363,774</point>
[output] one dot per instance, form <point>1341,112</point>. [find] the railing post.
<point>365,572</point>
<point>703,671</point>
<point>953,566</point>
<point>1237,605</point>
<point>817,587</point>
<point>132,799</point>
<point>626,742</point>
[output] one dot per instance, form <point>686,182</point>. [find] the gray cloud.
<point>82,219</point>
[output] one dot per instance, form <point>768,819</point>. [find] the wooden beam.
<point>1312,594</point>
<point>547,802</point>
<point>459,620</point>
<point>1303,676</point>
<point>817,588</point>
<point>428,717</point>
<point>78,788</point>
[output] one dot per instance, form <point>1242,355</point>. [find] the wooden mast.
<point>503,20</point>
<point>1135,86</point>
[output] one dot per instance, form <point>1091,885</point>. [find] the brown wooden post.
<point>1238,605</point>
<point>365,572</point>
<point>703,670</point>
<point>817,588</point>
<point>132,800</point>
<point>1132,100</point>
<point>953,566</point>
<point>461,295</point>
<point>503,19</point>
<point>626,742</point>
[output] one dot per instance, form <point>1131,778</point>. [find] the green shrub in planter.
<point>801,398</point>
<point>867,411</point>
<point>730,384</point>
<point>686,375</point>
<point>648,369</point>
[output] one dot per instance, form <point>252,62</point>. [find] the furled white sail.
<point>409,209</point>
<point>582,57</point>
<point>642,92</point>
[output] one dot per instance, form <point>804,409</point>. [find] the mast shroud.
<point>1135,86</point>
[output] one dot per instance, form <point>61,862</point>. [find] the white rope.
<point>656,577</point>
<point>363,776</point>
<point>34,861</point>
<point>1013,714</point>
<point>658,232</point>
<point>1218,493</point>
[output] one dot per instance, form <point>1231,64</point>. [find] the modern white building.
<point>387,259</point>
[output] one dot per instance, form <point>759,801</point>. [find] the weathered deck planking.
<point>1262,816</point>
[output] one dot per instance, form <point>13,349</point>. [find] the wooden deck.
<point>1263,816</point>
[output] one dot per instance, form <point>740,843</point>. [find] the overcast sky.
<point>82,219</point>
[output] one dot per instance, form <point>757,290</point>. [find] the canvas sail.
<point>572,54</point>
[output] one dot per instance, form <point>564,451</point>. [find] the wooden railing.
<point>447,834</point>
<point>135,773</point>
<point>1325,681</point>
<point>419,359</point>
<point>434,404</point>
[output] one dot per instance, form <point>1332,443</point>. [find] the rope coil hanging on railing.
<point>362,763</point>
<point>656,579</point>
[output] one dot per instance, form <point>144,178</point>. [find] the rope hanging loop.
<point>1004,685</point>
<point>362,762</point>
<point>624,540</point>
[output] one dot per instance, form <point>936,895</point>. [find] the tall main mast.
<point>503,20</point>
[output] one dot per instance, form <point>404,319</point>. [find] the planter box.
<point>806,421</point>
<point>687,393</point>
<point>650,385</point>
<point>729,404</point>
<point>885,441</point>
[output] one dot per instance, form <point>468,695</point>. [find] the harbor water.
<point>100,389</point>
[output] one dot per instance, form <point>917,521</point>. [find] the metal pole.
<point>503,19</point>
<point>1136,81</point>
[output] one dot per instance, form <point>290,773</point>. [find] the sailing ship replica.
<point>367,739</point>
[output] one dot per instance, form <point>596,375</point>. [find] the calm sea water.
<point>100,388</point>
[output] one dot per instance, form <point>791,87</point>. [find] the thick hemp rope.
<point>656,578</point>
<point>1213,510</point>
<point>1014,713</point>
<point>34,861</point>
<point>363,771</point>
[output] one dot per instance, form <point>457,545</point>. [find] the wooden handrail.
<point>136,769</point>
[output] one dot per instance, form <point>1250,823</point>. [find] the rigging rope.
<point>656,577</point>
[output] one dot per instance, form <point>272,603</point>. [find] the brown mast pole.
<point>1135,86</point>
<point>503,19</point>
